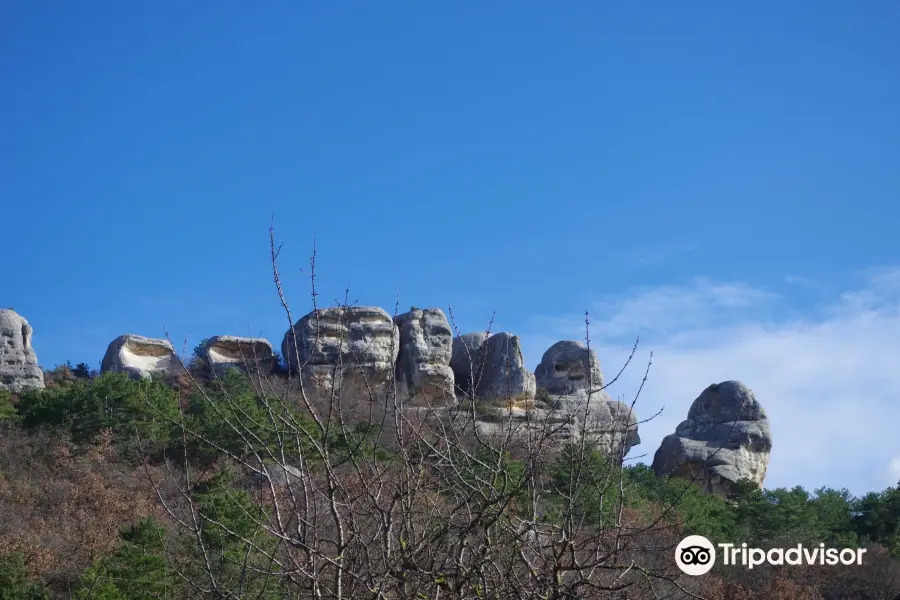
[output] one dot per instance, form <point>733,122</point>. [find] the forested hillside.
<point>112,488</point>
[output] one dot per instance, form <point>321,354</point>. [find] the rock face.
<point>504,377</point>
<point>141,358</point>
<point>726,426</point>
<point>566,368</point>
<point>424,376</point>
<point>465,359</point>
<point>252,355</point>
<point>361,341</point>
<point>566,371</point>
<point>19,368</point>
<point>611,425</point>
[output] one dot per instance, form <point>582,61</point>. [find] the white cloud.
<point>830,382</point>
<point>894,470</point>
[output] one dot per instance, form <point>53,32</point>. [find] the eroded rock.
<point>725,438</point>
<point>567,410</point>
<point>610,425</point>
<point>347,352</point>
<point>465,361</point>
<point>19,368</point>
<point>251,355</point>
<point>568,367</point>
<point>504,378</point>
<point>424,376</point>
<point>141,358</point>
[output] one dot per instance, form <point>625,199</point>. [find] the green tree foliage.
<point>134,410</point>
<point>137,570</point>
<point>233,539</point>
<point>198,355</point>
<point>589,472</point>
<point>228,415</point>
<point>681,503</point>
<point>14,582</point>
<point>877,518</point>
<point>766,517</point>
<point>82,371</point>
<point>8,412</point>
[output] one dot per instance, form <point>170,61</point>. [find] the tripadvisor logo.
<point>696,555</point>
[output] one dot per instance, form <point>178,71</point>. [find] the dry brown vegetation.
<point>63,506</point>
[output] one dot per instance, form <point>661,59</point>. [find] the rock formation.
<point>19,368</point>
<point>611,425</point>
<point>725,438</point>
<point>348,351</point>
<point>253,355</point>
<point>565,369</point>
<point>506,391</point>
<point>424,376</point>
<point>465,359</point>
<point>141,358</point>
<point>504,378</point>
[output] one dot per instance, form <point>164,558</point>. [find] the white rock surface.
<point>725,438</point>
<point>424,376</point>
<point>141,358</point>
<point>350,353</point>
<point>504,379</point>
<point>567,367</point>
<point>252,355</point>
<point>19,368</point>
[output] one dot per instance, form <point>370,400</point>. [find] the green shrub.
<point>14,582</point>
<point>134,410</point>
<point>82,371</point>
<point>8,412</point>
<point>542,396</point>
<point>137,570</point>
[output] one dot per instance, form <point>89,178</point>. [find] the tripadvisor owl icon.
<point>695,555</point>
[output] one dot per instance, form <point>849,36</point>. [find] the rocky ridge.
<point>355,353</point>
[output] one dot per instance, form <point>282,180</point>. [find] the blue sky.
<point>720,178</point>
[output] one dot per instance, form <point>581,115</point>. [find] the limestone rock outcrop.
<point>141,358</point>
<point>725,438</point>
<point>465,359</point>
<point>424,376</point>
<point>611,425</point>
<point>567,369</point>
<point>504,377</point>
<point>361,341</point>
<point>252,355</point>
<point>19,368</point>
